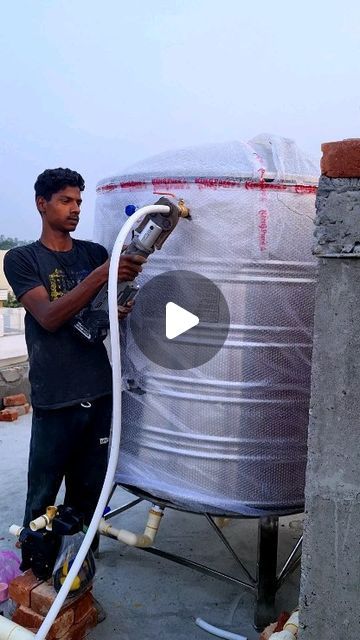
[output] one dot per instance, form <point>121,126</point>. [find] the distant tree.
<point>9,243</point>
<point>11,301</point>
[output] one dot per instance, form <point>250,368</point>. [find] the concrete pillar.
<point>330,581</point>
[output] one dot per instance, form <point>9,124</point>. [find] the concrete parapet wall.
<point>337,228</point>
<point>329,602</point>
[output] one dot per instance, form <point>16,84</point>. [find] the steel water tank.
<point>229,436</point>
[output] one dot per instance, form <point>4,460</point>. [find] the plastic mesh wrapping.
<point>229,436</point>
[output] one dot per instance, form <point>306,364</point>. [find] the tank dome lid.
<point>264,157</point>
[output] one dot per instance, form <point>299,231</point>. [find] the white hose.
<point>216,631</point>
<point>116,418</point>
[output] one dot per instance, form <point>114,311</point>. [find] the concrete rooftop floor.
<point>147,597</point>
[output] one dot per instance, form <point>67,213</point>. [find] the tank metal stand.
<point>266,567</point>
<point>267,581</point>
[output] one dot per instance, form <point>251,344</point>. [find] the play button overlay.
<point>180,319</point>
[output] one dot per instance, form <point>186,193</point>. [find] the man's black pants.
<point>71,442</point>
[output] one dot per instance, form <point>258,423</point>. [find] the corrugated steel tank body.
<point>230,436</point>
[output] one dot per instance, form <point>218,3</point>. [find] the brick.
<point>76,632</point>
<point>8,416</point>
<point>21,587</point>
<point>63,627</point>
<point>42,598</point>
<point>92,619</point>
<point>27,618</point>
<point>79,631</point>
<point>83,608</point>
<point>76,616</point>
<point>15,401</point>
<point>341,159</point>
<point>31,620</point>
<point>62,624</point>
<point>44,595</point>
<point>21,410</point>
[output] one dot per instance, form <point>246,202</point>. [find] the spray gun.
<point>92,323</point>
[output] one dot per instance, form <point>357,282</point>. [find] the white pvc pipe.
<point>127,537</point>
<point>216,631</point>
<point>15,530</point>
<point>116,419</point>
<point>44,521</point>
<point>141,540</point>
<point>39,523</point>
<point>11,631</point>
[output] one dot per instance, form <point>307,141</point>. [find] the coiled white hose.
<point>116,418</point>
<point>216,631</point>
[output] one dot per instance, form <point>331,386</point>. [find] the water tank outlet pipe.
<point>142,540</point>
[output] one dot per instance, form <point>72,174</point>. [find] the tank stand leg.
<point>266,581</point>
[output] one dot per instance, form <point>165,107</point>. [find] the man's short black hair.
<point>53,180</point>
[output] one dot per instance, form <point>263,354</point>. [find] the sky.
<point>97,86</point>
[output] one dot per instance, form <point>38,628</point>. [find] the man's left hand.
<point>124,311</point>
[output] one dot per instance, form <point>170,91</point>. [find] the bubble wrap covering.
<point>230,436</point>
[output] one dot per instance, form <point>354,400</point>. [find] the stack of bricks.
<point>33,599</point>
<point>14,406</point>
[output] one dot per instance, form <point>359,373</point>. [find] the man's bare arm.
<point>53,314</point>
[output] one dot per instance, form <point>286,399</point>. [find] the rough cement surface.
<point>14,366</point>
<point>337,216</point>
<point>14,379</point>
<point>330,591</point>
<point>147,597</point>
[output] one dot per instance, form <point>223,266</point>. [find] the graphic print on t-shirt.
<point>61,282</point>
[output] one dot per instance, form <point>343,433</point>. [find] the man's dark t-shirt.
<point>64,370</point>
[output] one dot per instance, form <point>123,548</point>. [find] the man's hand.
<point>124,311</point>
<point>129,267</point>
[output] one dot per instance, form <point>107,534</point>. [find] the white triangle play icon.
<point>178,320</point>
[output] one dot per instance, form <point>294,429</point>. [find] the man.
<point>55,278</point>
